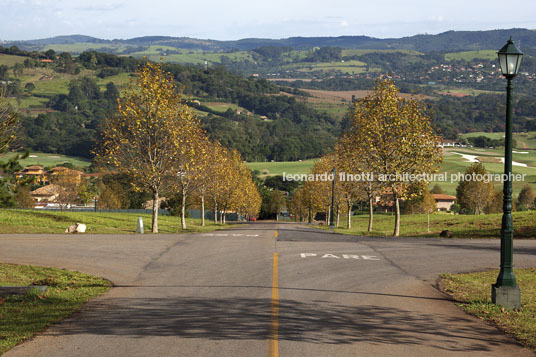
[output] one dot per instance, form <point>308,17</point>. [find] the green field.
<point>277,168</point>
<point>50,87</point>
<point>10,60</point>
<point>48,160</point>
<point>466,91</point>
<point>35,221</point>
<point>222,107</point>
<point>156,53</point>
<point>471,55</point>
<point>348,53</point>
<point>453,164</point>
<point>120,80</point>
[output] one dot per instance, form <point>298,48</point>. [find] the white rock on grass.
<point>76,228</point>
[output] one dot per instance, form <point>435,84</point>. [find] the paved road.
<point>220,294</point>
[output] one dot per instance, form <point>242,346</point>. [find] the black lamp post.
<point>505,291</point>
<point>332,210</point>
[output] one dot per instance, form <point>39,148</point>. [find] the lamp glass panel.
<point>502,62</point>
<point>511,63</point>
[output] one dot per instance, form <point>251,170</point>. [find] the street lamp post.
<point>505,291</point>
<point>332,210</point>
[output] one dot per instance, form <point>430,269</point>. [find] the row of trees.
<point>155,138</point>
<point>390,138</point>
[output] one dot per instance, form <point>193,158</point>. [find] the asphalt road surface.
<point>266,289</point>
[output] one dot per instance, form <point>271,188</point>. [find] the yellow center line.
<point>273,345</point>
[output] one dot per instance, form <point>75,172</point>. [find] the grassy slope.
<point>48,160</point>
<point>23,316</point>
<point>10,60</point>
<point>31,221</point>
<point>277,168</point>
<point>470,55</point>
<point>462,226</point>
<point>472,292</point>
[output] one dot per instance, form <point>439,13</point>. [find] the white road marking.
<point>330,256</point>
<point>305,255</point>
<point>344,256</point>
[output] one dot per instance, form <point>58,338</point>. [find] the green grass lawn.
<point>277,168</point>
<point>120,80</point>
<point>473,294</point>
<point>50,87</point>
<point>34,221</point>
<point>454,163</point>
<point>48,160</point>
<point>222,106</point>
<point>23,316</point>
<point>27,102</point>
<point>462,226</point>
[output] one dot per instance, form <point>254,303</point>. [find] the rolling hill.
<point>453,41</point>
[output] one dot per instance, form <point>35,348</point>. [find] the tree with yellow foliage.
<point>67,183</point>
<point>8,122</point>
<point>354,164</point>
<point>149,134</point>
<point>393,135</point>
<point>188,172</point>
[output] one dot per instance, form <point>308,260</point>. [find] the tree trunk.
<point>371,214</point>
<point>349,222</point>
<point>202,210</point>
<point>338,217</point>
<point>223,217</point>
<point>396,233</point>
<point>183,209</point>
<point>328,215</point>
<point>154,222</point>
<point>215,211</point>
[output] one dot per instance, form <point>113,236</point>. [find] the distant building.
<point>37,172</point>
<point>443,202</point>
<point>47,194</point>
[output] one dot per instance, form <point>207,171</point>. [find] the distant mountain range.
<point>450,41</point>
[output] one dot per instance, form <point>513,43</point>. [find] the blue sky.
<point>235,19</point>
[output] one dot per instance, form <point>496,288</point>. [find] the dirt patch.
<point>328,96</point>
<point>458,95</point>
<point>289,79</point>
